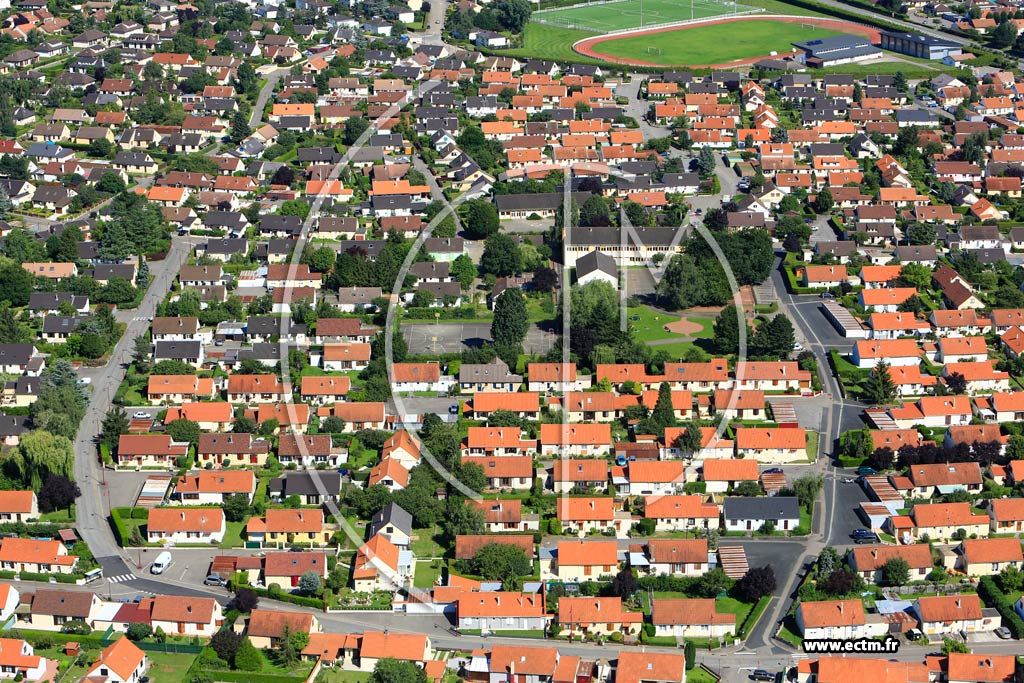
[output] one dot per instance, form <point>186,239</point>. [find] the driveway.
<point>449,337</point>
<point>92,507</point>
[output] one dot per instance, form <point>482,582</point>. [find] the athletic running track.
<point>587,46</point>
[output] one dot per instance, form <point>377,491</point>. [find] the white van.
<point>162,562</point>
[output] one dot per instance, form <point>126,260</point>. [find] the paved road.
<point>454,337</point>
<point>93,506</point>
<point>266,92</point>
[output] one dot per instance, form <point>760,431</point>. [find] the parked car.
<point>762,675</point>
<point>865,540</point>
<point>773,470</point>
<point>827,295</point>
<point>140,415</point>
<point>215,580</point>
<point>1003,632</point>
<point>866,471</point>
<point>913,634</point>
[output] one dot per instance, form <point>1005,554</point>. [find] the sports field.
<point>712,43</point>
<point>601,17</point>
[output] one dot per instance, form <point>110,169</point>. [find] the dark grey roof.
<point>226,245</point>
<point>178,350</point>
<point>16,354</point>
<point>540,201</point>
<point>394,515</point>
<point>921,39</point>
<point>596,261</point>
<point>45,301</point>
<point>303,484</point>
<point>774,507</point>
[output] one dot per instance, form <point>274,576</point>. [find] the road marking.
<point>122,578</point>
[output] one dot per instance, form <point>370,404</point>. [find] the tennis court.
<point>615,15</point>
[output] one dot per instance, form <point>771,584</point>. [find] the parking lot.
<point>452,337</point>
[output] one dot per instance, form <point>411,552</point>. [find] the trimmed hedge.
<point>116,516</point>
<point>250,677</point>
<point>305,601</point>
<point>45,578</point>
<point>990,593</point>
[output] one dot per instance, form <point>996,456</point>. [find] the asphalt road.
<point>92,507</point>
<point>452,337</point>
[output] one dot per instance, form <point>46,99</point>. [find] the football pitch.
<point>615,15</point>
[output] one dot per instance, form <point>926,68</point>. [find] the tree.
<point>355,126</point>
<point>595,213</point>
<point>900,81</point>
<point>58,493</point>
<point>245,600</point>
<point>1003,35</point>
<point>956,383</point>
<point>895,572</point>
<point>235,506</point>
<point>40,455</point>
<point>916,275</point>
<point>226,644</point>
<point>332,425</point>
<point>921,233</point>
<point>139,631</point>
<point>951,645</point>
<point>479,218</point>
<point>706,162</point>
<point>322,259</point>
<point>115,423</point>
<point>747,489</point>
<point>513,14</point>
<point>624,584</point>
<point>691,438</point>
<point>247,657</point>
<point>510,323</point>
<point>309,583</point>
<point>727,330</point>
<point>461,519</point>
<point>664,413</point>
<point>501,256</point>
<point>501,562</point>
<point>807,489</point>
<point>880,390</point>
<point>756,583</point>
<point>823,200</point>
<point>464,270</point>
<point>840,582</point>
<point>390,670</point>
<point>774,338</point>
<point>184,431</point>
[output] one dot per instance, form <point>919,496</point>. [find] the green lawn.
<point>550,42</point>
<point>729,605</point>
<point>58,516</point>
<point>632,14</point>
<point>714,44</point>
<point>233,535</point>
<point>699,675</point>
<point>338,676</point>
<point>812,445</point>
<point>423,545</point>
<point>426,576</point>
<point>168,668</point>
<point>649,325</point>
<point>790,633</point>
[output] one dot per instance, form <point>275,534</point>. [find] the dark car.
<point>773,470</point>
<point>866,471</point>
<point>862,532</point>
<point>762,675</point>
<point>863,540</point>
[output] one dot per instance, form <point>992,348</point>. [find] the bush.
<point>990,593</point>
<point>248,658</point>
<point>76,627</point>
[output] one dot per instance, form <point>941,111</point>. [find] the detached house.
<point>186,525</point>
<point>950,614</point>
<point>838,619</point>
<point>868,561</point>
<point>577,561</point>
<point>691,618</point>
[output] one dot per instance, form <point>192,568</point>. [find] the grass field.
<point>621,14</point>
<point>714,44</point>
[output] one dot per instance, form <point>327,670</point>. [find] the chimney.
<point>840,607</point>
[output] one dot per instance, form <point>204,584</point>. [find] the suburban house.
<point>838,619</point>
<point>211,488</point>
<point>18,506</point>
<point>501,611</point>
<point>752,514</point>
<point>868,560</point>
<point>721,475</point>
<point>671,557</point>
<point>691,618</point>
<point>280,527</point>
<point>941,615</point>
<point>584,515</point>
<point>597,616</point>
<point>681,513</point>
<point>988,556</point>
<point>186,616</point>
<point>36,556</point>
<point>264,627</point>
<point>186,525</point>
<point>285,568</point>
<point>120,662</point>
<point>577,561</point>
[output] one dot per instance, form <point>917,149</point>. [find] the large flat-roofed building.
<point>834,50</point>
<point>917,45</point>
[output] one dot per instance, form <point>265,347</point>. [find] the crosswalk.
<point>140,318</point>
<point>122,578</point>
